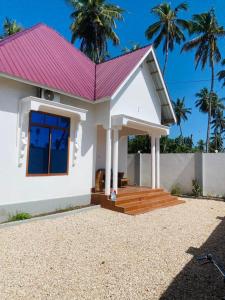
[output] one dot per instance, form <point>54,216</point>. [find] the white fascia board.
<point>131,73</point>
<point>105,99</point>
<point>149,127</point>
<point>164,85</point>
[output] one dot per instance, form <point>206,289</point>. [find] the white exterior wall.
<point>15,186</point>
<point>138,98</point>
<point>37,194</point>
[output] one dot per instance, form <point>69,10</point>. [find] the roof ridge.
<point>16,35</point>
<point>95,82</point>
<point>124,54</point>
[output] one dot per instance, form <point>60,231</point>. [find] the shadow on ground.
<point>196,282</point>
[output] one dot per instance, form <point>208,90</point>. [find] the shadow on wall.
<point>195,281</point>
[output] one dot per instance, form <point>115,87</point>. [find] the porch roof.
<point>139,125</point>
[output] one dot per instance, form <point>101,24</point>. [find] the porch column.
<point>158,162</point>
<point>115,158</point>
<point>153,160</point>
<point>108,162</point>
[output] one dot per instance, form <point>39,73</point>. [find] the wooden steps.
<point>134,201</point>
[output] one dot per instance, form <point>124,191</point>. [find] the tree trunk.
<point>181,133</point>
<point>166,57</point>
<point>96,47</point>
<point>210,106</point>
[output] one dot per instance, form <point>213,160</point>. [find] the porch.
<point>112,148</point>
<point>133,200</point>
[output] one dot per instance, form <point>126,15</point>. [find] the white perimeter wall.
<point>214,174</point>
<point>138,98</point>
<point>15,186</point>
<point>180,169</point>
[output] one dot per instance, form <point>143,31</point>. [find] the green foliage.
<point>169,27</point>
<point>94,23</point>
<point>10,27</point>
<point>139,143</point>
<point>176,190</point>
<point>216,143</point>
<point>196,188</point>
<point>200,147</point>
<point>202,101</point>
<point>207,33</point>
<point>20,216</point>
<point>181,112</point>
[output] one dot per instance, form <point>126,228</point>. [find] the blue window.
<point>49,141</point>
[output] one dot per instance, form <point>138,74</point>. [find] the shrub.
<point>196,188</point>
<point>176,190</point>
<point>20,216</point>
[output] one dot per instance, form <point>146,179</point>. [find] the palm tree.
<point>181,112</point>
<point>202,102</point>
<point>94,22</point>
<point>216,144</point>
<point>10,27</point>
<point>218,123</point>
<point>221,74</point>
<point>207,32</point>
<point>168,29</point>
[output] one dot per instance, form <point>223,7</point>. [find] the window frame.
<point>50,127</point>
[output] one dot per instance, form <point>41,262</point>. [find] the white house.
<point>64,117</point>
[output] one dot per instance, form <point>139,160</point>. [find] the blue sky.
<point>181,77</point>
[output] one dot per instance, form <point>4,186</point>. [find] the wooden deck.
<point>136,200</point>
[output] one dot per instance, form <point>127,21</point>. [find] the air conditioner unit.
<point>49,95</point>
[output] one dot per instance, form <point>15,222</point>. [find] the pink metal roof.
<point>112,73</point>
<point>43,57</point>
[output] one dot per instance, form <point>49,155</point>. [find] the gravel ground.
<point>100,254</point>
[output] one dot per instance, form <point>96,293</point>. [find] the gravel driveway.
<point>100,254</point>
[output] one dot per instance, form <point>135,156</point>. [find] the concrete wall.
<point>214,174</point>
<point>180,169</point>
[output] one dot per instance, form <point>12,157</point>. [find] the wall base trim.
<point>43,206</point>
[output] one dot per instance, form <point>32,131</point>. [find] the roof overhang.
<point>137,124</point>
<point>168,114</point>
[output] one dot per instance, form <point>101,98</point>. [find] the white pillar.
<point>158,162</point>
<point>115,158</point>
<point>153,160</point>
<point>108,162</point>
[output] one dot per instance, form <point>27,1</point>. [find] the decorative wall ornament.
<point>76,144</point>
<point>39,104</point>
